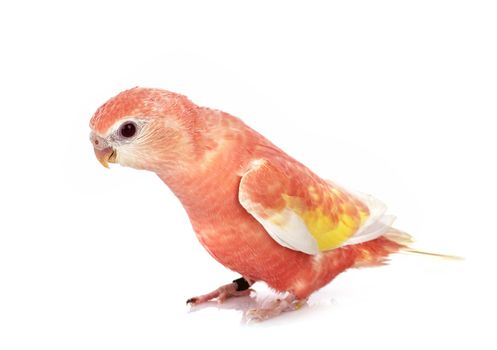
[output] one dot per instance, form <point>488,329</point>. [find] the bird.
<point>254,208</point>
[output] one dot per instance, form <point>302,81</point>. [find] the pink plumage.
<point>255,209</point>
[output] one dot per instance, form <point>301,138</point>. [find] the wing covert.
<point>298,209</point>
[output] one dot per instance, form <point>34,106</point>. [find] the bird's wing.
<point>302,212</point>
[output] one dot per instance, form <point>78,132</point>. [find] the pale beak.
<point>105,156</point>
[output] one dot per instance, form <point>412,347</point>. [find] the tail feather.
<point>399,237</point>
<point>377,251</point>
<point>405,240</point>
<point>436,255</point>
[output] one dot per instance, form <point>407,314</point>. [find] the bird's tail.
<point>376,251</point>
<point>405,240</point>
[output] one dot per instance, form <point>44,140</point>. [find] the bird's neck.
<point>221,150</point>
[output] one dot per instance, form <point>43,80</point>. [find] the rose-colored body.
<point>207,184</point>
<point>233,237</point>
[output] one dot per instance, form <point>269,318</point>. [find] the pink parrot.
<point>255,209</point>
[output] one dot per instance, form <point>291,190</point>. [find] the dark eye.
<point>128,129</point>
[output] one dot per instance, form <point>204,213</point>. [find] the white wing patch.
<point>288,229</point>
<point>377,224</point>
<point>285,227</point>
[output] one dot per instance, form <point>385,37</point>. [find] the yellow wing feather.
<point>298,209</point>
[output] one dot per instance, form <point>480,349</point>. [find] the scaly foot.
<point>289,303</point>
<point>238,288</point>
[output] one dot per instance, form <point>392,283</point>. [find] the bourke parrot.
<point>255,209</point>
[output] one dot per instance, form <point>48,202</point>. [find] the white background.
<point>393,98</point>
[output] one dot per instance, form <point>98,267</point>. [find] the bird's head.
<point>144,128</point>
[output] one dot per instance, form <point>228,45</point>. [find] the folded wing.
<point>302,212</point>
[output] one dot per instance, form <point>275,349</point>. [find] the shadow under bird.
<point>255,209</point>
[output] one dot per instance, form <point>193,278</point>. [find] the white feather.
<point>285,227</point>
<point>377,224</point>
<point>293,234</point>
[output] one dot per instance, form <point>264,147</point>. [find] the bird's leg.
<point>238,288</point>
<point>289,303</point>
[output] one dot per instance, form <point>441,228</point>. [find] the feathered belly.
<point>240,243</point>
<point>244,246</point>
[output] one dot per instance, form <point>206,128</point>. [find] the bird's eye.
<point>128,130</point>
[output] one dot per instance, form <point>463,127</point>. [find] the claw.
<point>191,301</point>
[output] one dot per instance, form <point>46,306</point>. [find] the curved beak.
<point>105,156</point>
